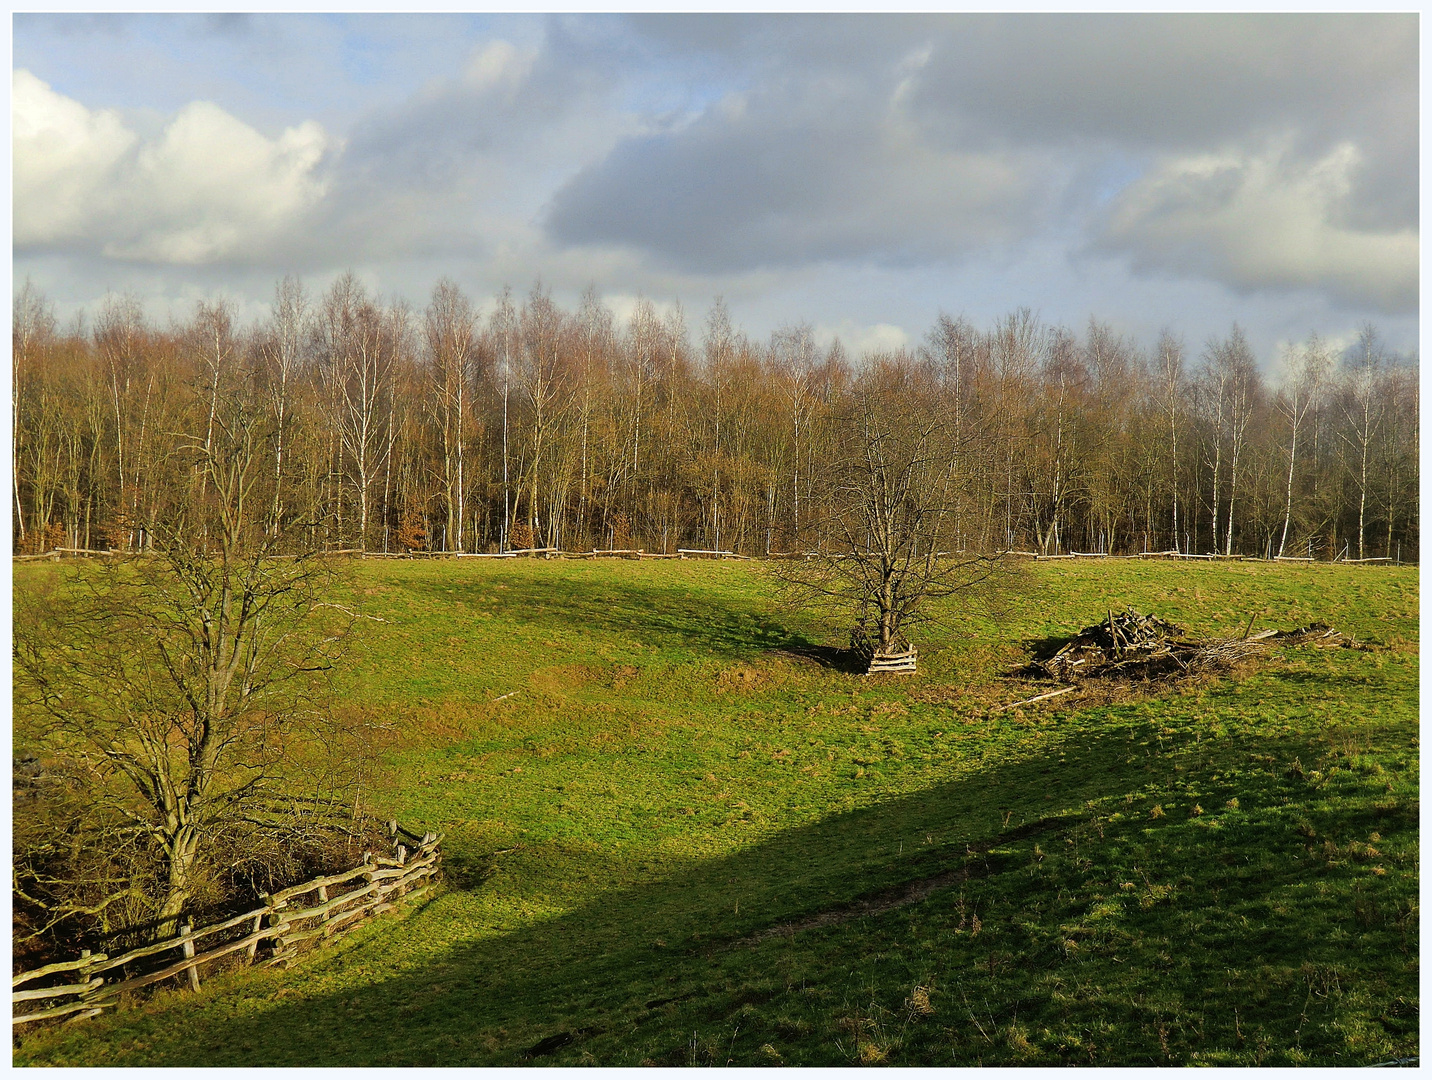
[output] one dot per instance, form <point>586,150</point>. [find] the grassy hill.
<point>684,840</point>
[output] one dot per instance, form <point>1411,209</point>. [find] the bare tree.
<point>539,373</point>
<point>281,354</point>
<point>119,333</point>
<point>175,679</point>
<point>793,355</point>
<point>503,327</point>
<point>596,335</point>
<point>891,491</point>
<point>1169,373</point>
<point>1306,368</point>
<point>451,330</point>
<point>360,344</point>
<point>33,329</point>
<point>1235,360</point>
<point>1363,409</point>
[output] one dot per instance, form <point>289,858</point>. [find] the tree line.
<point>388,428</point>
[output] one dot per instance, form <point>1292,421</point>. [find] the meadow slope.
<point>687,839</point>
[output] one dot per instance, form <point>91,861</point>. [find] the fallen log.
<point>1039,697</point>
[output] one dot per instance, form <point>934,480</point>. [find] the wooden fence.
<point>886,663</point>
<point>290,921</point>
<point>702,553</point>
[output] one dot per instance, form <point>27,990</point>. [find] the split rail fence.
<point>290,921</point>
<point>56,554</point>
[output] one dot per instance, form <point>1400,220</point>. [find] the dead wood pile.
<point>1131,646</point>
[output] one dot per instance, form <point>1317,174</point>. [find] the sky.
<point>858,173</point>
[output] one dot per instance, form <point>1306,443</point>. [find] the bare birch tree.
<point>1305,369</point>
<point>1363,409</point>
<point>451,341</point>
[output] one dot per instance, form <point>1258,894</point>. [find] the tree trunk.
<point>181,850</point>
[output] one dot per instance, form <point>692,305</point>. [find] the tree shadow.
<point>847,661</point>
<point>655,614</point>
<point>633,967</point>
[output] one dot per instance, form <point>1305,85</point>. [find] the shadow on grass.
<point>847,661</point>
<point>656,614</point>
<point>1226,936</point>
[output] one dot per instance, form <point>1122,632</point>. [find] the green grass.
<point>1222,874</point>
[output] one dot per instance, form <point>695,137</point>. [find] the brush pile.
<point>1130,646</point>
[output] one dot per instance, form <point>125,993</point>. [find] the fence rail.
<point>271,935</point>
<point>703,553</point>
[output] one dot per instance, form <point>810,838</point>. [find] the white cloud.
<point>860,339</point>
<point>207,188</point>
<point>64,158</point>
<point>499,66</point>
<point>1261,220</point>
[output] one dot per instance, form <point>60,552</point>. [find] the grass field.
<point>682,842</point>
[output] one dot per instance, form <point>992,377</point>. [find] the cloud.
<point>790,176</point>
<point>63,156</point>
<point>206,188</point>
<point>1267,220</point>
<point>1174,81</point>
<point>982,105</point>
<point>846,167</point>
<point>861,340</point>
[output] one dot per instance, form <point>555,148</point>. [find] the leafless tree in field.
<point>360,343</point>
<point>281,358</point>
<point>1169,374</point>
<point>33,330</point>
<point>173,682</point>
<point>1363,409</point>
<point>452,347</point>
<point>894,484</point>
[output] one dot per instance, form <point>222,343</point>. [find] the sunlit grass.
<point>1223,873</point>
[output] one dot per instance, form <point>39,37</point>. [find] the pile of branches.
<point>1131,646</point>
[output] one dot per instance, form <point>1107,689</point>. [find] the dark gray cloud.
<point>1176,81</point>
<point>802,169</point>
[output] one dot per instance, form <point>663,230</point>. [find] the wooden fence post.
<point>186,932</point>
<point>253,949</point>
<point>273,920</point>
<point>94,991</point>
<point>323,899</point>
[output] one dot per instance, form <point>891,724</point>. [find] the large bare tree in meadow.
<point>894,481</point>
<point>172,684</point>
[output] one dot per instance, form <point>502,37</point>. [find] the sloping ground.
<point>683,851</point>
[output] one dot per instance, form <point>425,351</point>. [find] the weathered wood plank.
<point>90,1007</point>
<point>63,965</point>
<point>308,886</point>
<point>56,991</point>
<point>139,954</point>
<point>228,924</point>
